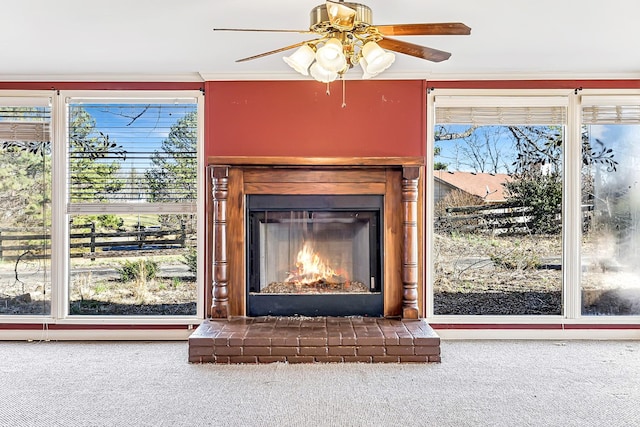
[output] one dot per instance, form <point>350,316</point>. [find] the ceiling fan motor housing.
<point>321,23</point>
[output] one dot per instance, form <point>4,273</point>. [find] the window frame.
<point>60,211</point>
<point>571,206</point>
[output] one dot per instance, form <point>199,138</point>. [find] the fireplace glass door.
<point>314,255</point>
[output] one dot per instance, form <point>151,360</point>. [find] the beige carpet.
<point>478,383</point>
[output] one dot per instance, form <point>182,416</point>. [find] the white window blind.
<point>602,110</point>
<point>500,110</point>
<point>24,120</point>
<point>137,152</point>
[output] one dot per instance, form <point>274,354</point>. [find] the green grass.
<point>146,220</point>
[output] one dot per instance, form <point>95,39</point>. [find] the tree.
<point>481,149</point>
<point>25,179</point>
<point>173,177</point>
<point>535,147</point>
<point>541,194</point>
<point>25,190</point>
<point>93,160</point>
<point>438,166</point>
<point>536,169</point>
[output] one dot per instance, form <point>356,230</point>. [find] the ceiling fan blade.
<point>264,31</point>
<point>437,29</point>
<point>418,51</point>
<point>282,49</point>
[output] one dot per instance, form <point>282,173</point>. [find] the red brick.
<point>386,359</point>
<point>414,359</point>
<point>434,359</point>
<point>284,351</point>
<point>342,351</point>
<point>427,350</point>
<point>236,341</point>
<point>430,341</point>
<point>313,351</point>
<point>348,340</point>
<point>300,359</point>
<point>201,351</point>
<point>221,340</point>
<point>221,359</point>
<point>284,341</point>
<point>370,340</point>
<point>357,359</point>
<point>243,359</point>
<point>257,341</point>
<point>397,350</point>
<point>370,351</point>
<point>195,359</point>
<point>405,340</point>
<point>227,351</point>
<point>329,359</point>
<point>257,351</point>
<point>334,340</point>
<point>200,341</point>
<point>391,340</point>
<point>271,359</point>
<point>312,341</point>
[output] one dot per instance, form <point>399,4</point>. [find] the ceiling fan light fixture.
<point>365,74</point>
<point>377,59</point>
<point>341,17</point>
<point>322,74</point>
<point>344,35</point>
<point>331,56</point>
<point>301,59</point>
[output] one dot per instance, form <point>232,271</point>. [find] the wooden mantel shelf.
<point>314,161</point>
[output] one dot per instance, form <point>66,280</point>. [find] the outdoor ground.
<point>97,289</point>
<point>477,274</point>
<point>474,275</point>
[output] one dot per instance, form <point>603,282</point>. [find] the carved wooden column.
<point>220,190</point>
<point>410,177</point>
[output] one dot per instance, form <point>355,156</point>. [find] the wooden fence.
<point>500,218</point>
<point>86,242</point>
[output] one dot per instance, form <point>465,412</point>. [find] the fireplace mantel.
<point>398,179</point>
<point>316,161</point>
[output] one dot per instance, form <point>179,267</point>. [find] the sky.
<point>138,128</point>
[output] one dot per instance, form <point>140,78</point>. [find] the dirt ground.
<point>484,275</point>
<point>98,292</point>
<point>474,275</point>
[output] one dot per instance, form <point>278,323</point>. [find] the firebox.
<point>314,255</point>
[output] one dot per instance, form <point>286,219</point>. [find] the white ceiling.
<point>173,39</point>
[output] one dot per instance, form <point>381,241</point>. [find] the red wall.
<point>297,118</point>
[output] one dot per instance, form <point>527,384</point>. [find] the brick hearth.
<point>310,340</point>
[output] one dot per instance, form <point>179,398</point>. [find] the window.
<point>132,204</point>
<point>610,181</point>
<point>25,197</point>
<point>101,204</point>
<point>498,167</point>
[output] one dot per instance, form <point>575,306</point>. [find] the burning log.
<point>318,286</point>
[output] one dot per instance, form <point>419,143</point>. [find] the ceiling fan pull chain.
<point>344,93</point>
<point>328,89</point>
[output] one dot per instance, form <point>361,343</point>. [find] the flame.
<point>310,268</point>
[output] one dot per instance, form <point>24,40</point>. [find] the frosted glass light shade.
<point>365,74</point>
<point>377,59</point>
<point>330,56</point>
<point>322,74</point>
<point>301,59</point>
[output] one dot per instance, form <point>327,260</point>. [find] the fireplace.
<point>314,255</point>
<point>359,218</point>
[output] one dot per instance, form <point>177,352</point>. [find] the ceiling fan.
<point>346,37</point>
